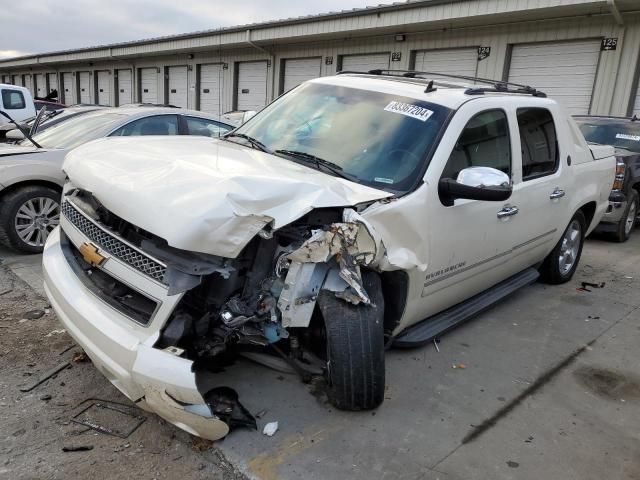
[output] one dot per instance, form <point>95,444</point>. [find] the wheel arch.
<point>29,183</point>
<point>589,211</point>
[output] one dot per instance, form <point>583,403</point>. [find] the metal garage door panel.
<point>53,83</point>
<point>252,85</point>
<point>149,85</point>
<point>41,85</point>
<point>125,85</point>
<point>178,87</point>
<point>28,83</point>
<point>104,88</point>
<point>211,81</point>
<point>299,70</point>
<point>17,80</point>
<point>364,63</point>
<point>565,71</point>
<point>85,87</point>
<point>68,96</point>
<point>454,61</point>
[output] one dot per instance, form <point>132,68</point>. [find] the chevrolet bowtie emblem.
<point>90,254</point>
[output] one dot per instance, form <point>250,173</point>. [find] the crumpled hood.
<point>201,194</point>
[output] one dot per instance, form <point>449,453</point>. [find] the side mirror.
<point>15,135</point>
<point>476,183</point>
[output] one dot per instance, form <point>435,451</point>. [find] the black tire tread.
<point>355,348</point>
<point>620,235</point>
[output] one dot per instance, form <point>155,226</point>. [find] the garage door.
<point>28,82</point>
<point>565,71</point>
<point>454,61</point>
<point>68,96</point>
<point>125,87</point>
<point>84,79</point>
<point>252,85</point>
<point>364,63</point>
<point>41,85</point>
<point>104,87</point>
<point>211,81</point>
<point>17,80</point>
<point>53,82</point>
<point>178,87</point>
<point>149,85</point>
<point>300,70</point>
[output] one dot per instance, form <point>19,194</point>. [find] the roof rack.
<point>494,85</point>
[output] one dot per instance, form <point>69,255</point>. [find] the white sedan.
<point>31,176</point>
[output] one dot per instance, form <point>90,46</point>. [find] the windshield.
<point>77,131</point>
<point>378,139</point>
<point>619,133</point>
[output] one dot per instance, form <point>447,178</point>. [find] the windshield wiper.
<point>24,132</point>
<point>254,142</point>
<point>319,163</point>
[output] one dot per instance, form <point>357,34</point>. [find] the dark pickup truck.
<point>623,133</point>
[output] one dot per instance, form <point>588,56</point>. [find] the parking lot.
<point>544,385</point>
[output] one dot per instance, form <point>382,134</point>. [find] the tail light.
<point>618,183</point>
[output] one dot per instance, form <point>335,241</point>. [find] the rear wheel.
<point>28,215</point>
<point>563,260</point>
<point>355,348</point>
<point>628,220</point>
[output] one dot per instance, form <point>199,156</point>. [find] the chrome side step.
<point>421,333</point>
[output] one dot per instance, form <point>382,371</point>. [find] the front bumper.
<point>122,350</point>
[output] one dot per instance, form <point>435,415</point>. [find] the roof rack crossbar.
<point>496,85</point>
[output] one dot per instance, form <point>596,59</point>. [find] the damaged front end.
<point>188,315</point>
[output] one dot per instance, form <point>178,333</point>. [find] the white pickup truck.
<point>353,213</point>
<point>17,102</point>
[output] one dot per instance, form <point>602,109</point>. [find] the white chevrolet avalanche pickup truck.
<point>354,213</point>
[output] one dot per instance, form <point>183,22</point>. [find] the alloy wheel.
<point>35,220</point>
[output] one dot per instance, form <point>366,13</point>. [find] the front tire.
<point>27,217</point>
<point>562,262</point>
<point>355,348</point>
<point>628,220</point>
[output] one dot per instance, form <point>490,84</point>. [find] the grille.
<point>109,243</point>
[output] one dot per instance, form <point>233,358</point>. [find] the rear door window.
<point>539,142</point>
<point>13,99</point>
<point>156,125</point>
<point>205,128</point>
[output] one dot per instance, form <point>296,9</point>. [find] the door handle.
<point>508,211</point>
<point>557,193</point>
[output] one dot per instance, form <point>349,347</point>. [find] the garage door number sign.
<point>609,44</point>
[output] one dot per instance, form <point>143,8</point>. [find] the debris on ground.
<point>436,341</point>
<point>261,413</point>
<point>460,366</point>
<point>110,418</point>
<point>270,429</point>
<point>33,314</point>
<point>225,405</point>
<point>79,357</point>
<point>45,397</point>
<point>45,376</point>
<point>584,286</point>
<point>78,448</point>
<point>201,444</point>
<point>55,332</point>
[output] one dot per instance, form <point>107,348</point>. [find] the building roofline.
<point>239,28</point>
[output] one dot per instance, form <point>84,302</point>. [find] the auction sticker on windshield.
<point>625,136</point>
<point>413,111</point>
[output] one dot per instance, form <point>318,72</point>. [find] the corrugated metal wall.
<point>614,91</point>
